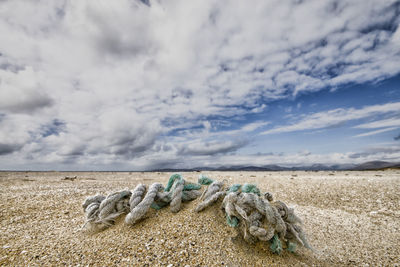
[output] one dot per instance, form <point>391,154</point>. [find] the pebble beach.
<point>351,218</point>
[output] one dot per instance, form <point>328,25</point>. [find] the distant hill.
<point>371,165</point>
<point>227,168</point>
<point>377,165</point>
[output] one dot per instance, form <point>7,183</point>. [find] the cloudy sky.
<point>138,85</point>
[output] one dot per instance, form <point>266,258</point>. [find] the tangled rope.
<point>101,211</point>
<point>255,216</point>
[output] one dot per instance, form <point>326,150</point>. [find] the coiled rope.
<point>255,215</point>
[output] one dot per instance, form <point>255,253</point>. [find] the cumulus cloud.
<point>387,152</point>
<point>21,92</point>
<point>211,148</point>
<point>122,76</point>
<point>9,148</point>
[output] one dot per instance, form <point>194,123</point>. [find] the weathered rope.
<point>114,205</point>
<point>212,194</point>
<point>94,199</point>
<point>176,196</point>
<point>176,192</point>
<point>255,215</point>
<point>101,211</point>
<point>262,219</point>
<point>137,195</point>
<point>140,210</point>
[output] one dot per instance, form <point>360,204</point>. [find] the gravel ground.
<point>352,218</point>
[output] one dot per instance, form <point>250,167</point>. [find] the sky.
<point>142,85</point>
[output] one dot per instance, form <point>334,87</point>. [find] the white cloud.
<point>20,91</point>
<point>380,124</point>
<point>121,75</point>
<point>375,132</point>
<point>210,148</point>
<point>335,117</point>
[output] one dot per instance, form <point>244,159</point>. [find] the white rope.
<point>176,198</point>
<point>113,206</point>
<point>211,195</point>
<point>137,195</point>
<point>140,210</point>
<point>209,201</point>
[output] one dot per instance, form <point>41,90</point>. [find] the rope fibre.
<point>255,216</point>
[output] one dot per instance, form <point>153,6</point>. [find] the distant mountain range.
<point>377,165</point>
<point>371,165</point>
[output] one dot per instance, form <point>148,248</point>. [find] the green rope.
<point>234,188</point>
<point>276,245</point>
<point>171,181</point>
<point>178,181</point>
<point>232,221</point>
<point>125,194</point>
<point>175,180</point>
<point>204,180</point>
<point>291,247</point>
<point>191,186</point>
<point>251,188</point>
<point>158,205</point>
